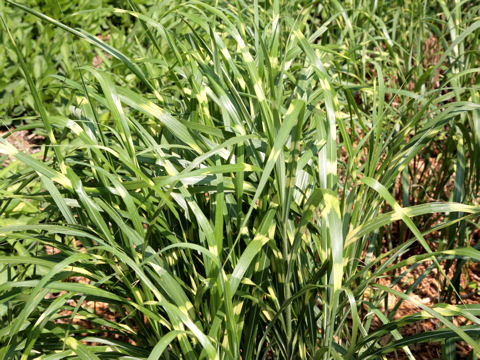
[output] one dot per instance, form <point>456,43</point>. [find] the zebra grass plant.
<point>228,197</point>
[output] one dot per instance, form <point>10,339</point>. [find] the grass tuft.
<point>231,180</point>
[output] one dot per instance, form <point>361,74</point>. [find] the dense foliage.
<point>231,179</point>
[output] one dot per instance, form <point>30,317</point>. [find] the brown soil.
<point>23,140</point>
<point>428,293</point>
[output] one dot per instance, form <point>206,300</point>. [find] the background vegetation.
<point>236,179</point>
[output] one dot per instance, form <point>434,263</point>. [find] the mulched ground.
<point>23,140</point>
<point>428,293</point>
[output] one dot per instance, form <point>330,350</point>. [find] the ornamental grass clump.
<point>236,194</point>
